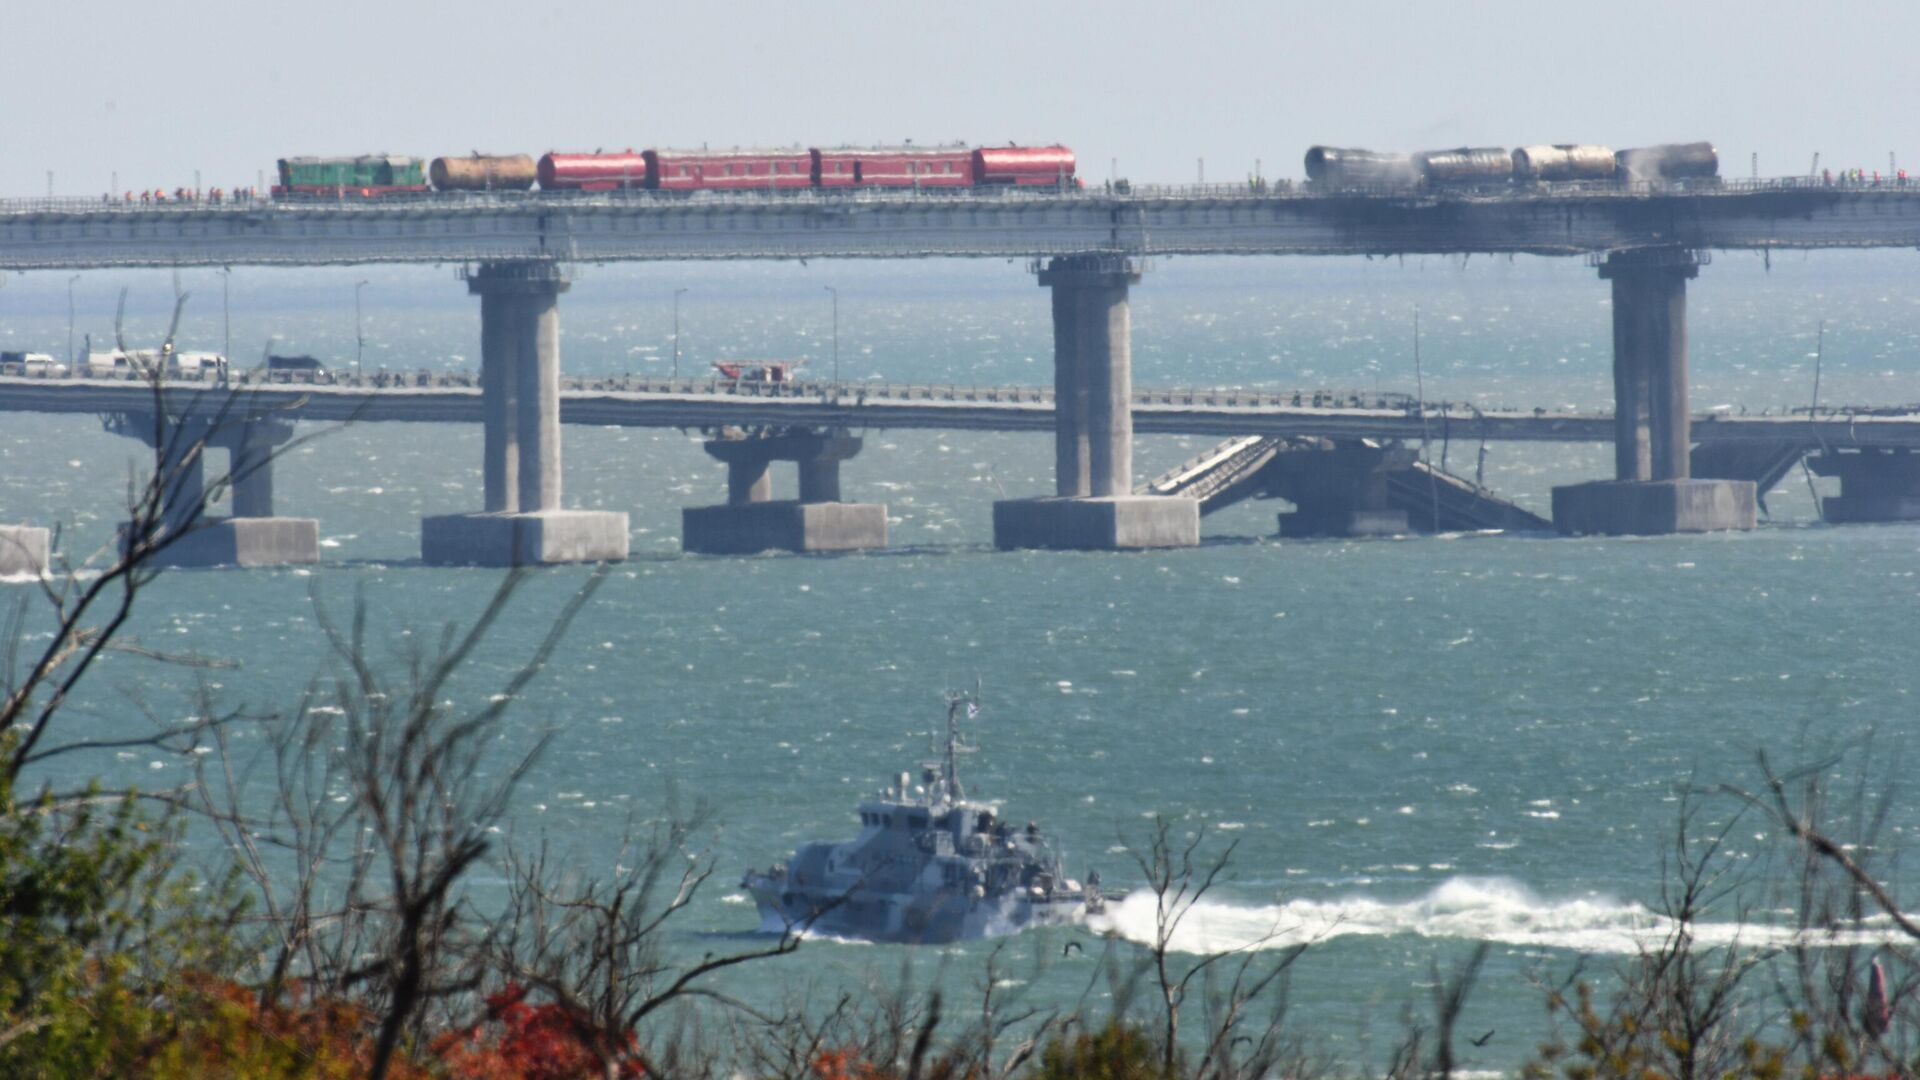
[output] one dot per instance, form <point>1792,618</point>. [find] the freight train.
<point>1333,168</point>
<point>375,175</point>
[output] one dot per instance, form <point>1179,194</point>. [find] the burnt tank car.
<point>1564,162</point>
<point>1671,161</point>
<point>1339,167</point>
<point>1467,165</point>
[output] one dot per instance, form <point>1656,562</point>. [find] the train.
<point>917,167</point>
<point>1334,168</point>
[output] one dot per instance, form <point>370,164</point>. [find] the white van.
<point>34,365</point>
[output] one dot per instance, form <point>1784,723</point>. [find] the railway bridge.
<point>1088,249</point>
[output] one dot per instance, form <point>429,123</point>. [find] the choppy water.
<point>1417,744</point>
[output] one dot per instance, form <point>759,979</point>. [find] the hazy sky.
<point>155,91</point>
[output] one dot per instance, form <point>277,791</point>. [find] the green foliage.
<point>1118,1051</point>
<point>97,923</point>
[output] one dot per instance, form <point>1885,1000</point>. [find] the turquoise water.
<point>1416,743</point>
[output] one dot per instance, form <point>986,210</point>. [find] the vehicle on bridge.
<point>293,368</point>
<point>128,363</point>
<point>764,372</point>
<point>788,169</point>
<point>31,364</point>
<point>1339,168</point>
<point>364,176</point>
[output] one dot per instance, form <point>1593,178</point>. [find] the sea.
<point>1403,747</point>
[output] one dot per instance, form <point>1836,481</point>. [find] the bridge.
<point>479,227</point>
<point>1088,249</point>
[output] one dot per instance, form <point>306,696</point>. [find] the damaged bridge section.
<point>1356,487</point>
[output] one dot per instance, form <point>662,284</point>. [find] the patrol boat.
<point>929,866</point>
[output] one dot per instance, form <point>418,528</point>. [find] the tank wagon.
<point>792,168</point>
<point>1336,168</point>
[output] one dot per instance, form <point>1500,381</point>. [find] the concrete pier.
<point>24,551</point>
<point>752,521</point>
<point>523,523</point>
<point>1094,506</point>
<point>1341,490</point>
<point>1875,485</point>
<point>1653,491</point>
<point>253,535</point>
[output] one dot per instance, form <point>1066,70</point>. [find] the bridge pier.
<point>752,521</point>
<point>1093,507</point>
<point>1339,491</point>
<point>252,535</point>
<point>24,551</point>
<point>1875,485</point>
<point>1653,491</point>
<point>522,523</point>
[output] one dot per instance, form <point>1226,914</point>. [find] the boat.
<point>930,866</point>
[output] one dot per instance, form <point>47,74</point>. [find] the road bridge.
<point>1088,248</point>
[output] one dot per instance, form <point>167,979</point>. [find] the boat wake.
<point>1498,910</point>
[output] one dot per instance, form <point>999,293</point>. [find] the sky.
<point>151,93</point>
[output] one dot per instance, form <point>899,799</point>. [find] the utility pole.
<point>226,316</point>
<point>359,342</point>
<point>676,332</point>
<point>70,282</point>
<point>836,334</point>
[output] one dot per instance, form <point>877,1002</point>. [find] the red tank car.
<point>894,166</point>
<point>1023,165</point>
<point>729,170</point>
<point>593,172</point>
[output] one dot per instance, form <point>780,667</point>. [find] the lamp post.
<point>836,334</point>
<point>70,282</point>
<point>676,333</point>
<point>226,316</point>
<point>359,343</point>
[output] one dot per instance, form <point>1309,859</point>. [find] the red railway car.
<point>729,170</point>
<point>1023,166</point>
<point>893,166</point>
<point>594,172</point>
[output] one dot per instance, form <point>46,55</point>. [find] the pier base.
<point>1112,523</point>
<point>1654,507</point>
<point>246,541</point>
<point>1875,485</point>
<point>751,527</point>
<point>540,538</point>
<point>24,551</point>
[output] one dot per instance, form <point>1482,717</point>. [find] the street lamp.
<point>359,343</point>
<point>836,334</point>
<point>226,315</point>
<point>70,282</point>
<point>676,333</point>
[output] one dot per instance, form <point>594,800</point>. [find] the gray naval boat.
<point>929,866</point>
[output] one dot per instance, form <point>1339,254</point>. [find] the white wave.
<point>1470,908</point>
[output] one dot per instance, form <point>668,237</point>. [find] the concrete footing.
<point>1113,523</point>
<point>748,528</point>
<point>24,551</point>
<point>1318,522</point>
<point>246,541</point>
<point>531,539</point>
<point>1654,507</point>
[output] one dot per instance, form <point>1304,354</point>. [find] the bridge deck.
<point>1554,219</point>
<point>1221,413</point>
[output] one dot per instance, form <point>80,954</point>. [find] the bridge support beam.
<point>1339,491</point>
<point>752,521</point>
<point>24,551</point>
<point>523,523</point>
<point>1094,507</point>
<point>1653,491</point>
<point>252,535</point>
<point>1875,485</point>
